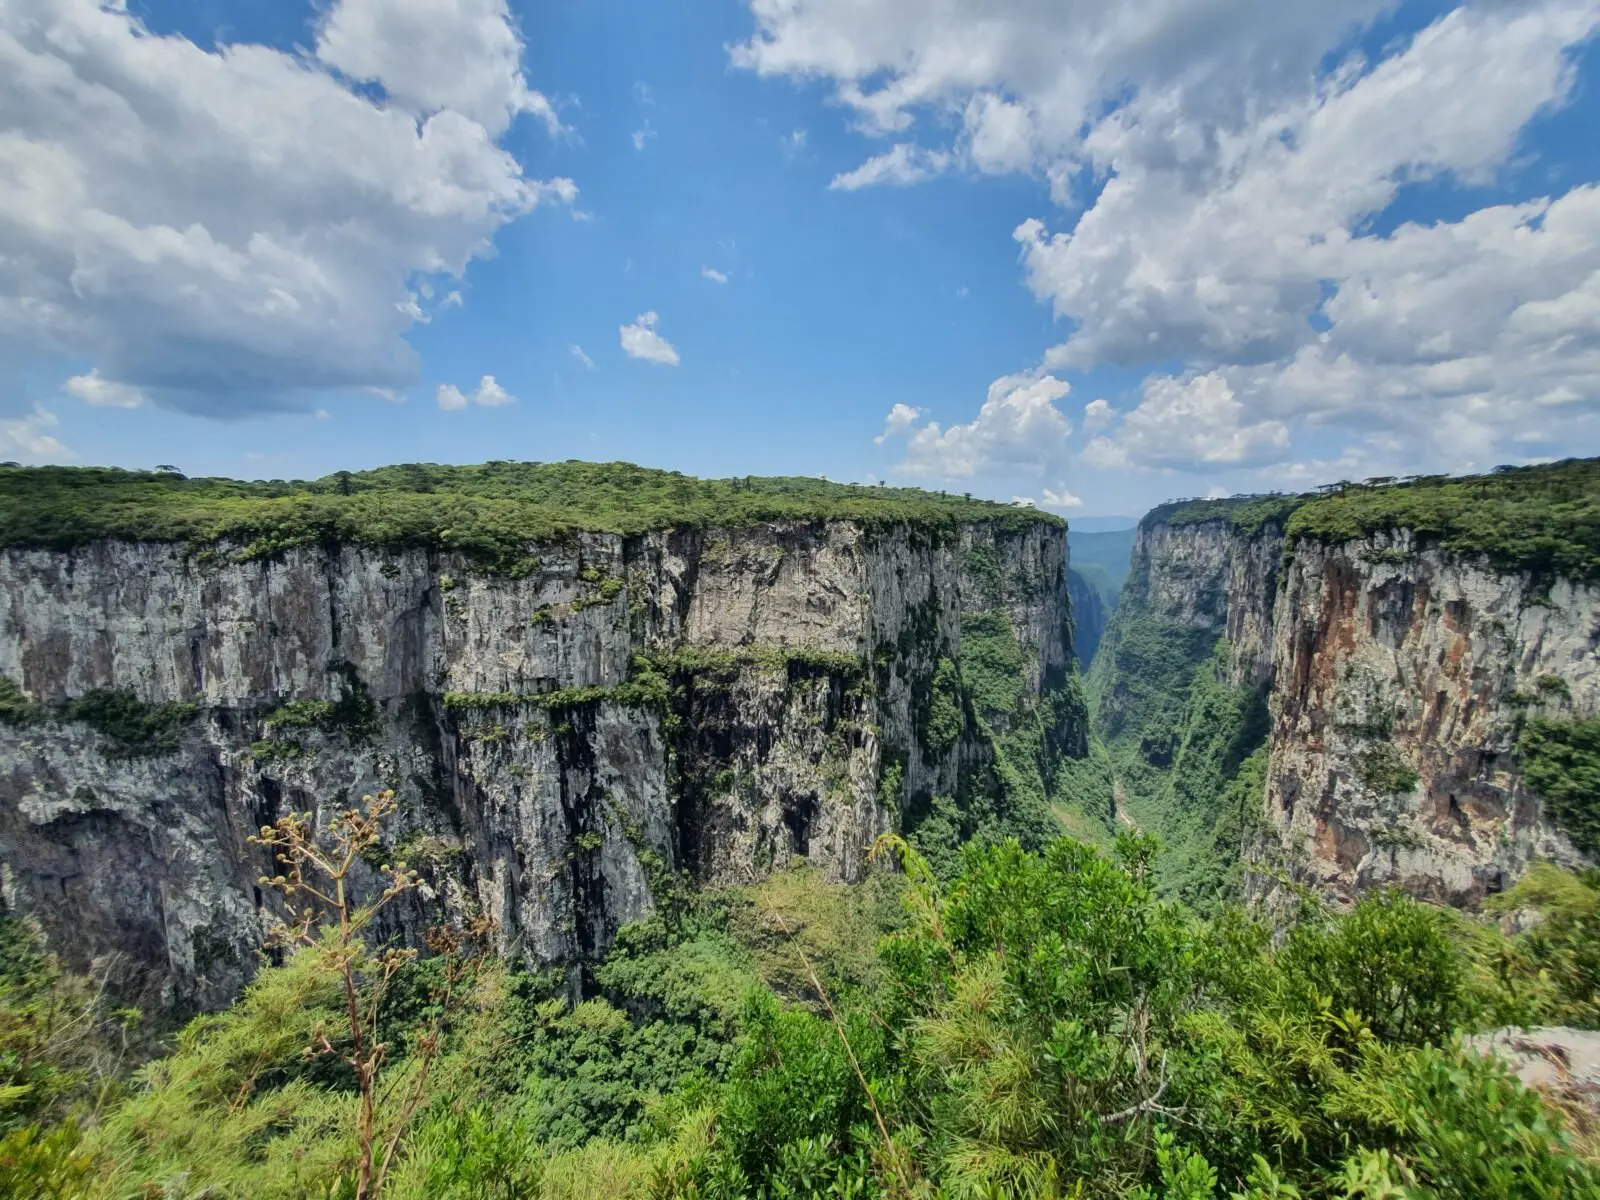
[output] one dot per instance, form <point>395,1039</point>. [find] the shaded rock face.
<point>794,655</point>
<point>1204,576</point>
<point>1402,677</point>
<point>1088,617</point>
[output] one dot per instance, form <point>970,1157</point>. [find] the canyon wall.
<point>1393,679</point>
<point>1403,676</point>
<point>713,702</point>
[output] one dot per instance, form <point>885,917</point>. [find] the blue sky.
<point>1095,256</point>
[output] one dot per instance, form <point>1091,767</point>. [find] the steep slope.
<point>1437,664</point>
<point>579,681</point>
<point>1394,682</point>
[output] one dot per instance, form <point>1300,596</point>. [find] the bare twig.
<point>1149,1104</point>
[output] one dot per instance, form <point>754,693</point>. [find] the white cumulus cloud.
<point>1097,414</point>
<point>1223,167</point>
<point>1062,500</point>
<point>25,437</point>
<point>236,229</point>
<point>714,275</point>
<point>640,340</point>
<point>435,55</point>
<point>1190,424</point>
<point>1028,77</point>
<point>901,418</point>
<point>901,165</point>
<point>1018,427</point>
<point>103,393</point>
<point>488,394</point>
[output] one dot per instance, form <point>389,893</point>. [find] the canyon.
<point>583,710</point>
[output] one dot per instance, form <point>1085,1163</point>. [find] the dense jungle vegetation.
<point>488,512</point>
<point>1040,1025</point>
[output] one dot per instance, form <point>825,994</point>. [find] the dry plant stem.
<point>850,1053</point>
<point>324,919</point>
<point>1150,1104</point>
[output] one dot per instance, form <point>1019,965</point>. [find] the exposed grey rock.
<point>552,820</point>
<point>1562,1063</point>
<point>1202,575</point>
<point>1386,661</point>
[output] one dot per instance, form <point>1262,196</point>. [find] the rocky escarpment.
<point>1390,683</point>
<point>1405,679</point>
<point>1213,569</point>
<point>563,737</point>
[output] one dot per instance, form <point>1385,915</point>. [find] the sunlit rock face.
<point>1401,679</point>
<point>792,663</point>
<point>1398,678</point>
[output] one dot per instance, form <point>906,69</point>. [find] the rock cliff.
<point>1404,676</point>
<point>1088,617</point>
<point>563,738</point>
<point>1350,689</point>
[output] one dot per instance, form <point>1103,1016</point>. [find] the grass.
<point>489,512</point>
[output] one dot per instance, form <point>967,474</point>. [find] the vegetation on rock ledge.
<point>131,727</point>
<point>489,512</point>
<point>1544,518</point>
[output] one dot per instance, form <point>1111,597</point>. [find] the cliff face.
<point>1191,586</point>
<point>1403,675</point>
<point>714,701</point>
<point>1390,679</point>
<point>1206,576</point>
<point>1088,617</point>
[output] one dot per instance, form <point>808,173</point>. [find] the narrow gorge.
<point>1391,683</point>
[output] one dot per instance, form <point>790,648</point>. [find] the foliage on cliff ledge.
<point>131,727</point>
<point>489,512</point>
<point>1543,519</point>
<point>1561,761</point>
<point>1241,514</point>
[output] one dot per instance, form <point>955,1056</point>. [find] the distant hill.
<point>1103,524</point>
<point>1108,550</point>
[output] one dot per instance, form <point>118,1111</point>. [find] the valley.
<point>776,837</point>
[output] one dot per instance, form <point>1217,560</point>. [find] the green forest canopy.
<point>1544,518</point>
<point>488,511</point>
